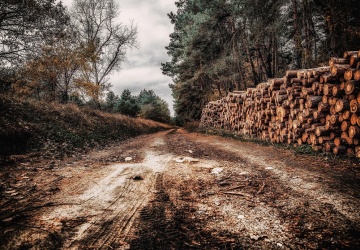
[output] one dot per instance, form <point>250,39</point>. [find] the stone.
<point>128,159</point>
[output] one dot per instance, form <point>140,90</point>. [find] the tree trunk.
<point>297,37</point>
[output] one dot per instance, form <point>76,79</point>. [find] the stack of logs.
<point>319,107</point>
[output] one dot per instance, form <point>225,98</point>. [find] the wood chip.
<point>236,193</point>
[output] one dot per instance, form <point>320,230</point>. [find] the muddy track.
<point>314,209</point>
<point>166,226</point>
<point>94,207</point>
<point>181,190</point>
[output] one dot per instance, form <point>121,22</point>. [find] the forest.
<point>265,154</point>
<point>54,54</point>
<point>66,56</point>
<point>219,46</point>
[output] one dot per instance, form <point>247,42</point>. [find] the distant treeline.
<point>146,105</point>
<point>53,54</point>
<point>219,46</point>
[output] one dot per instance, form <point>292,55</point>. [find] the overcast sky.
<point>143,67</point>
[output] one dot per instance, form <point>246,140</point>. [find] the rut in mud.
<point>180,190</point>
<point>162,225</point>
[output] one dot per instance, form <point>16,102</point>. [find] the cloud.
<point>138,78</point>
<point>142,69</point>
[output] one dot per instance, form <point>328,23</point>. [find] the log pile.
<point>319,107</point>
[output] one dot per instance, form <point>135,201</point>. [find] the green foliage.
<point>153,107</point>
<point>219,46</point>
<point>25,26</point>
<point>127,104</point>
<point>341,22</point>
<point>146,105</point>
<point>111,101</point>
<point>74,98</point>
<point>304,149</point>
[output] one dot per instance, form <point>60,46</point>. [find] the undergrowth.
<point>304,149</point>
<point>32,126</point>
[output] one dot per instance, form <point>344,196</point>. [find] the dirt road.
<point>180,190</point>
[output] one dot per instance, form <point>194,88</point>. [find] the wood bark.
<point>308,106</point>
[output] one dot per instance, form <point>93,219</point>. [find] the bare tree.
<point>105,38</point>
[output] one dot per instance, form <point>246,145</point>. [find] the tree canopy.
<point>128,104</point>
<point>105,38</point>
<point>147,105</point>
<point>49,53</point>
<point>25,26</point>
<point>219,46</point>
<point>153,107</point>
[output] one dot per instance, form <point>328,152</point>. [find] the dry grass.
<point>29,126</point>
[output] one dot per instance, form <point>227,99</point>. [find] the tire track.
<point>120,218</point>
<point>111,227</point>
<point>100,203</point>
<point>299,201</point>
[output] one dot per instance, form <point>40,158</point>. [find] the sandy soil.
<point>180,190</point>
